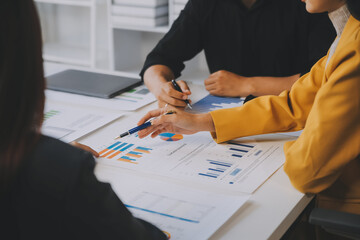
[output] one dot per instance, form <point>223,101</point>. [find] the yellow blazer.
<point>325,103</point>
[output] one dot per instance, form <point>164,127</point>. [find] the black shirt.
<point>57,196</point>
<point>273,38</point>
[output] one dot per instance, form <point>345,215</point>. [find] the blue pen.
<point>141,127</point>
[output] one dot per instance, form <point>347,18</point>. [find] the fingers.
<point>158,132</point>
<point>173,101</point>
<point>184,87</point>
<point>151,114</point>
<point>161,122</point>
<point>86,148</point>
<point>173,97</point>
<point>209,81</point>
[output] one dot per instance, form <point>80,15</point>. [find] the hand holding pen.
<point>166,93</point>
<point>177,88</point>
<point>142,126</point>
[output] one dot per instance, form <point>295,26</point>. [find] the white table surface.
<point>267,215</point>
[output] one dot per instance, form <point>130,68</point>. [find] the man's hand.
<point>166,94</point>
<point>158,80</point>
<point>227,84</point>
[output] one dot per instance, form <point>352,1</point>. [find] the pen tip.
<point>189,106</point>
<point>117,137</point>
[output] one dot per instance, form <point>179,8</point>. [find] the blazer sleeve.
<point>182,42</point>
<point>269,114</point>
<point>331,139</point>
<point>95,211</point>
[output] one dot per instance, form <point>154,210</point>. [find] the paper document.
<point>128,101</point>
<point>181,212</point>
<point>241,165</point>
<point>68,122</point>
<point>211,103</point>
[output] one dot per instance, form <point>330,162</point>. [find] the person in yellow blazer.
<point>325,103</point>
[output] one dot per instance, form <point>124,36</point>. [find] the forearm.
<point>260,86</point>
<point>155,75</point>
<point>204,122</point>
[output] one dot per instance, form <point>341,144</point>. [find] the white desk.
<point>267,215</point>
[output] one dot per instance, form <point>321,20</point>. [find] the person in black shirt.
<point>251,47</point>
<point>48,189</point>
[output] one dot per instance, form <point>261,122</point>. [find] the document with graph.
<point>181,212</point>
<point>69,122</point>
<point>240,165</point>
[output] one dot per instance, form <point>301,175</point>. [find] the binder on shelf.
<point>181,1</point>
<point>143,3</point>
<point>140,21</point>
<point>135,11</point>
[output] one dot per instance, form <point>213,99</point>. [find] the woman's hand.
<point>178,122</point>
<point>86,148</point>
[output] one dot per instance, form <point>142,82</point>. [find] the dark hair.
<point>354,8</point>
<point>21,84</point>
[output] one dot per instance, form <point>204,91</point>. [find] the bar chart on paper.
<point>50,113</point>
<point>70,121</point>
<point>124,152</point>
<point>167,207</point>
<point>236,165</point>
<point>181,211</point>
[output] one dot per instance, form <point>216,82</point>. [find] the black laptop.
<point>90,83</point>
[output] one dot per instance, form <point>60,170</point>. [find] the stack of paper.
<point>178,7</point>
<point>141,13</point>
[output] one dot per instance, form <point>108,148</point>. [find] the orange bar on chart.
<point>103,151</point>
<point>128,161</point>
<point>133,155</point>
<point>115,154</point>
<point>141,150</point>
<point>108,153</point>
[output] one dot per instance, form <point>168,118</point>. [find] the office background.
<point>108,34</point>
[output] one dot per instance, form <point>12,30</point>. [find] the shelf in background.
<point>160,29</point>
<point>56,52</point>
<point>84,3</point>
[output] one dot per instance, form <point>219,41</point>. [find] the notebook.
<point>90,83</point>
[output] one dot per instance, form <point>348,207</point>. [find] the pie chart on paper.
<point>171,137</point>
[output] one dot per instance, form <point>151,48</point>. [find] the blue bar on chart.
<point>142,149</point>
<point>108,150</point>
<point>236,171</point>
<point>120,146</point>
<point>128,160</point>
<point>207,175</point>
<point>126,147</point>
<point>217,168</point>
<point>239,150</point>
<point>219,163</point>
<point>241,144</point>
